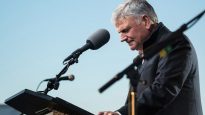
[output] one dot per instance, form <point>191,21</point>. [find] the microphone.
<point>69,77</point>
<point>94,42</point>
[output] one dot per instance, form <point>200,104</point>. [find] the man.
<point>171,84</point>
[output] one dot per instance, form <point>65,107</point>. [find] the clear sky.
<point>37,35</point>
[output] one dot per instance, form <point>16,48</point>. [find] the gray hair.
<point>134,8</point>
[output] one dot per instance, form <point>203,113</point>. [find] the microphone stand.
<point>132,98</point>
<point>54,84</point>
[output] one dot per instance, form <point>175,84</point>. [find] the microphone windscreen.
<point>98,39</point>
<point>71,77</point>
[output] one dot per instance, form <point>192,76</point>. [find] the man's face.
<point>132,32</point>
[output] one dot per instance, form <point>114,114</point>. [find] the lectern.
<point>35,103</point>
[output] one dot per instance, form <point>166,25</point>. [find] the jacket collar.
<point>158,34</point>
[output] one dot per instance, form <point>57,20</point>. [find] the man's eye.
<point>125,30</point>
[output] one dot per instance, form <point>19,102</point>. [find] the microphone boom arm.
<point>54,84</point>
<point>150,51</point>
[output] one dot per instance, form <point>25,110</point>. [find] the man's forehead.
<point>124,20</point>
<point>123,23</point>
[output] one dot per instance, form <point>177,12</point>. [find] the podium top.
<point>35,103</point>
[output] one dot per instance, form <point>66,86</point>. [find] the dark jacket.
<point>171,84</point>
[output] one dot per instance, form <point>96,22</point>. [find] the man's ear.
<point>146,21</point>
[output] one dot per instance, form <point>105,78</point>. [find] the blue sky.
<point>36,36</point>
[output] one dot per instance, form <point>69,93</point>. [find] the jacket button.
<point>144,82</point>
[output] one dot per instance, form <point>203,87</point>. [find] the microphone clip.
<point>53,84</point>
<point>73,58</point>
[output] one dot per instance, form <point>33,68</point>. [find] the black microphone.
<point>95,41</point>
<point>69,77</point>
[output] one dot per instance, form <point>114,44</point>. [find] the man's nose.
<point>123,37</point>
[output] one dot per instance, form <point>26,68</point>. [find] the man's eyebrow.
<point>124,29</point>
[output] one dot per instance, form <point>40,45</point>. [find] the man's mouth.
<point>130,42</point>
